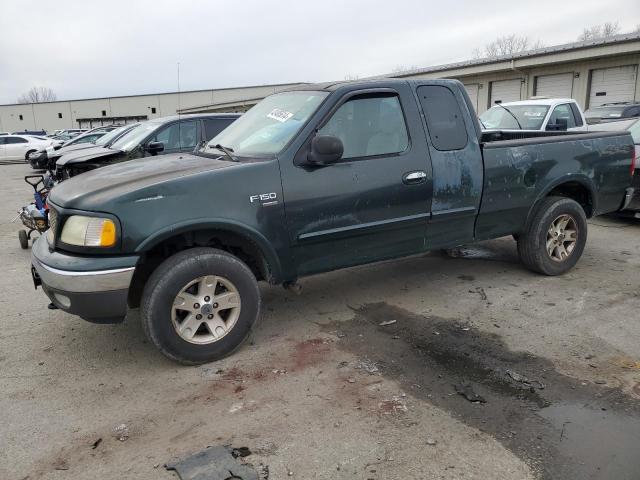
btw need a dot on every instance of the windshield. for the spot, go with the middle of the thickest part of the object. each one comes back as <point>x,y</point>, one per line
<point>132,139</point>
<point>267,128</point>
<point>529,116</point>
<point>109,136</point>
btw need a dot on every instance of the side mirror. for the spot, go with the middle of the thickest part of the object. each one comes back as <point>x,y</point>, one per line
<point>560,125</point>
<point>154,147</point>
<point>325,150</point>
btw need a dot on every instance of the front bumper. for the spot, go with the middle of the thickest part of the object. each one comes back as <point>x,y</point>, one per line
<point>89,287</point>
<point>38,160</point>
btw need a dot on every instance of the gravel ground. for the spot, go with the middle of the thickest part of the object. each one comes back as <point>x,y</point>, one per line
<point>323,391</point>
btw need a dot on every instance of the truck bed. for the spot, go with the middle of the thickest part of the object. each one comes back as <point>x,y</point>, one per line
<point>521,168</point>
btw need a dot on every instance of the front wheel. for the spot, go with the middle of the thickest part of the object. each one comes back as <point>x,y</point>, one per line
<point>26,155</point>
<point>555,237</point>
<point>23,239</point>
<point>200,305</point>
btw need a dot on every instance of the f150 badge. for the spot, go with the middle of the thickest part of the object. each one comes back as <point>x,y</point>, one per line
<point>265,199</point>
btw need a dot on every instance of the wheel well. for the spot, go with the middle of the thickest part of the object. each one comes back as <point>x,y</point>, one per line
<point>577,192</point>
<point>238,245</point>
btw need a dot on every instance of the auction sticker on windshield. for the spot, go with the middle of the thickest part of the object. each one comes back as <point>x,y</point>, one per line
<point>279,115</point>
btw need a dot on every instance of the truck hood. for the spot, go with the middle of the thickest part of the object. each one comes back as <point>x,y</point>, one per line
<point>96,188</point>
<point>85,155</point>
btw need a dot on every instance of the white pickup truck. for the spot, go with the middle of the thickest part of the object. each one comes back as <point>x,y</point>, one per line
<point>548,114</point>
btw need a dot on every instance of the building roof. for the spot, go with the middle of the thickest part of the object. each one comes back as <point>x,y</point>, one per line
<point>246,87</point>
<point>566,47</point>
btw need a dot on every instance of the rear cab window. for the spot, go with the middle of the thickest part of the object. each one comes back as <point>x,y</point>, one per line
<point>213,126</point>
<point>445,122</point>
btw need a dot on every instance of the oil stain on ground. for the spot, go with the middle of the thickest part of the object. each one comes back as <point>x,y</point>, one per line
<point>562,427</point>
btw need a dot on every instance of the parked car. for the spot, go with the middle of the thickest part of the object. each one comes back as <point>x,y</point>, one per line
<point>555,114</point>
<point>31,132</point>
<point>5,133</point>
<point>610,112</point>
<point>48,157</point>
<point>18,147</point>
<point>150,138</point>
<point>61,139</point>
<point>310,180</point>
<point>633,127</point>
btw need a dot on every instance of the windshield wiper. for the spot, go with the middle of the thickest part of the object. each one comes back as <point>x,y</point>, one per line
<point>511,113</point>
<point>227,151</point>
<point>482,123</point>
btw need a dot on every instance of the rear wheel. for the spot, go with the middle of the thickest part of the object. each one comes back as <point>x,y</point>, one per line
<point>555,237</point>
<point>200,305</point>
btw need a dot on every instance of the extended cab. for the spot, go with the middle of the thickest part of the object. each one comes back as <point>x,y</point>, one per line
<point>311,180</point>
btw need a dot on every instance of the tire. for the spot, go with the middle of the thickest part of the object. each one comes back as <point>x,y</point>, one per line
<point>26,155</point>
<point>24,240</point>
<point>161,319</point>
<point>532,243</point>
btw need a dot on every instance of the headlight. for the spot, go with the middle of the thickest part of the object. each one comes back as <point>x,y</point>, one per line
<point>89,231</point>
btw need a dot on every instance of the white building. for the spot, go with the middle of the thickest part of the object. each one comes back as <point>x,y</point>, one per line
<point>101,111</point>
<point>592,72</point>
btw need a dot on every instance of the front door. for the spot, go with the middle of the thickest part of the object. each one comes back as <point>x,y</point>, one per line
<point>372,204</point>
<point>2,149</point>
<point>16,148</point>
<point>177,137</point>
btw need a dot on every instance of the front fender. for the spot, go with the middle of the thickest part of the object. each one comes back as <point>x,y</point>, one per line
<point>223,225</point>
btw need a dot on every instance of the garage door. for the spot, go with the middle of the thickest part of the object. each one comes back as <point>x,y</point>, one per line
<point>505,91</point>
<point>555,86</point>
<point>610,85</point>
<point>472,90</point>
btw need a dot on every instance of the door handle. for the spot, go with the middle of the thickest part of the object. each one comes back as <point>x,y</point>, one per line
<point>411,178</point>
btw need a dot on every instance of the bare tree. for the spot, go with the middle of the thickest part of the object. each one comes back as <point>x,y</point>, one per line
<point>38,95</point>
<point>507,45</point>
<point>597,32</point>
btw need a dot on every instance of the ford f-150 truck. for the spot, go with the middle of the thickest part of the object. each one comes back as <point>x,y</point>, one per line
<point>310,180</point>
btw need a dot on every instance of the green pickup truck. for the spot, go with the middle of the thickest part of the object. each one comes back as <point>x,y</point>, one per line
<point>311,180</point>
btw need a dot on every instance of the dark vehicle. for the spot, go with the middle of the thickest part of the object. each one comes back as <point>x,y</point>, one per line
<point>31,132</point>
<point>154,137</point>
<point>611,112</point>
<point>633,127</point>
<point>311,180</point>
<point>98,138</point>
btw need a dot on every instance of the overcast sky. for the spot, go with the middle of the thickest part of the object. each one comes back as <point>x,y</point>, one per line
<point>92,49</point>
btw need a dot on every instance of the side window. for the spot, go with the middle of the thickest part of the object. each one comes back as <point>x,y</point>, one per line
<point>3,140</point>
<point>214,127</point>
<point>564,112</point>
<point>369,125</point>
<point>576,114</point>
<point>178,136</point>
<point>444,117</point>
<point>15,140</point>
